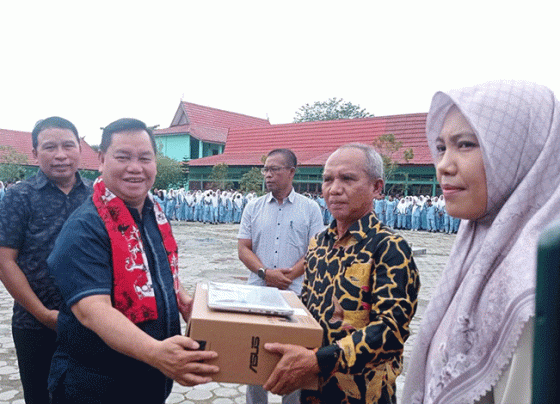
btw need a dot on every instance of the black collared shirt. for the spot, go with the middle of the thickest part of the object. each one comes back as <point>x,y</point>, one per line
<point>82,265</point>
<point>31,216</point>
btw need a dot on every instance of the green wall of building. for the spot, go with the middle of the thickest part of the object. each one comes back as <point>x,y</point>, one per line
<point>185,147</point>
<point>407,180</point>
<point>176,147</point>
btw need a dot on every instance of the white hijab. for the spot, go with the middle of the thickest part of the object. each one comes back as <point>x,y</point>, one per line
<point>486,294</point>
<point>401,207</point>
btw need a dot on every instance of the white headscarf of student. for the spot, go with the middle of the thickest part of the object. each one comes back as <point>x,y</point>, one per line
<point>486,294</point>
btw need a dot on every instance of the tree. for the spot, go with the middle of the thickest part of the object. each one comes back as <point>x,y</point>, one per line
<point>12,164</point>
<point>169,173</point>
<point>219,176</point>
<point>330,110</point>
<point>252,180</point>
<point>388,146</point>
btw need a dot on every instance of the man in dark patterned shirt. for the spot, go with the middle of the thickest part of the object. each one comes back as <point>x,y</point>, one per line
<point>361,285</point>
<point>31,216</point>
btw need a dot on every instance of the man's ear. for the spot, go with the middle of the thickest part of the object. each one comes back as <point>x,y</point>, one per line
<point>101,157</point>
<point>34,153</point>
<point>293,170</point>
<point>378,187</point>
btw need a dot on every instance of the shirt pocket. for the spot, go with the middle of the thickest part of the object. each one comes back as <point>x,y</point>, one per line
<point>356,297</point>
<point>297,236</point>
<point>358,274</point>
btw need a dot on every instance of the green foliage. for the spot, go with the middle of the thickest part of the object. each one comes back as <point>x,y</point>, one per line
<point>169,173</point>
<point>252,181</point>
<point>330,110</point>
<point>388,147</point>
<point>12,164</point>
<point>219,176</point>
<point>408,154</point>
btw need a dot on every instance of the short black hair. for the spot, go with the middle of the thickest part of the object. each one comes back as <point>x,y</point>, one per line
<point>52,122</point>
<point>123,125</point>
<point>289,156</point>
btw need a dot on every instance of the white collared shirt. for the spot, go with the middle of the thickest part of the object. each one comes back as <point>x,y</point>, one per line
<point>280,234</point>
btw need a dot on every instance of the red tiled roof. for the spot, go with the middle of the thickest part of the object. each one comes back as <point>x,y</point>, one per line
<point>203,133</point>
<point>199,114</point>
<point>208,124</point>
<point>21,142</point>
<point>313,142</point>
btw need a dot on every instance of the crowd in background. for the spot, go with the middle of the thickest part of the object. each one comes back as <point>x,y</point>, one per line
<point>215,206</point>
<point>203,206</point>
<point>417,213</point>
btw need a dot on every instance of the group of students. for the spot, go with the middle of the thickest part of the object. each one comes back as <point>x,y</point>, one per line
<point>407,213</point>
<point>215,206</point>
<point>416,213</point>
<point>203,206</point>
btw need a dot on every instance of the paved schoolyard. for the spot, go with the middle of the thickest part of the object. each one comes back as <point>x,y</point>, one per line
<point>210,252</point>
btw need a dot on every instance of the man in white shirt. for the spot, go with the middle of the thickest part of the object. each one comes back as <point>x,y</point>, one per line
<point>274,235</point>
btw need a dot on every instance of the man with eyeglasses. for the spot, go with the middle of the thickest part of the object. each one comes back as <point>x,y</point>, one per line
<point>274,235</point>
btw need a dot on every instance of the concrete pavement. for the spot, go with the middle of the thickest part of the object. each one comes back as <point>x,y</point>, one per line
<point>209,252</point>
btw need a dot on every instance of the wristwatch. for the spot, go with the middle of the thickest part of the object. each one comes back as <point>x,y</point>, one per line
<point>261,272</point>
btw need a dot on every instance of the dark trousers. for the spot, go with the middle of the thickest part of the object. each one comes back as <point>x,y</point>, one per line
<point>34,349</point>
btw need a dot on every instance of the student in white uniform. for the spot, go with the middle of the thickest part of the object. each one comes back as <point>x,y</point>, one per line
<point>496,148</point>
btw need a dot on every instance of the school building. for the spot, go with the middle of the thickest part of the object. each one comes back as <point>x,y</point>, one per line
<point>203,137</point>
<point>198,131</point>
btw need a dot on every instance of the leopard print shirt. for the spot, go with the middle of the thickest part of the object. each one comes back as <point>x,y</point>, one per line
<point>363,290</point>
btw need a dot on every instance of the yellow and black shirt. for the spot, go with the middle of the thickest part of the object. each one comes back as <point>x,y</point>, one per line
<point>363,290</point>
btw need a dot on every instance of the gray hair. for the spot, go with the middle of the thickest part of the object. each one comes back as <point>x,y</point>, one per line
<point>374,162</point>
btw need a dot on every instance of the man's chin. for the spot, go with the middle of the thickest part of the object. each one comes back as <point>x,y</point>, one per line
<point>61,176</point>
<point>338,214</point>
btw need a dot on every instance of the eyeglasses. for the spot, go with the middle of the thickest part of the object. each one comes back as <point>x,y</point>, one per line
<point>272,170</point>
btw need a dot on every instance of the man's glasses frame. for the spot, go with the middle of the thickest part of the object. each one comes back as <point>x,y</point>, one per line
<point>273,170</point>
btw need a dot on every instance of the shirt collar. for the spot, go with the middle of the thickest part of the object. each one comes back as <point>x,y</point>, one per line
<point>146,209</point>
<point>41,180</point>
<point>290,198</point>
<point>359,229</point>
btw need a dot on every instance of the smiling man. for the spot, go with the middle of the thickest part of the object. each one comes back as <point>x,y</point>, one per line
<point>115,263</point>
<point>31,216</point>
<point>361,285</point>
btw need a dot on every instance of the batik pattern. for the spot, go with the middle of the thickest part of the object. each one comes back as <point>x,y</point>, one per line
<point>363,290</point>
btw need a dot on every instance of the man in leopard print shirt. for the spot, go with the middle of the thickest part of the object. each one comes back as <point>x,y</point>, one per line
<point>361,284</point>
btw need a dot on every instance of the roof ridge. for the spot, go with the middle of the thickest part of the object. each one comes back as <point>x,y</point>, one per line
<point>223,110</point>
<point>338,121</point>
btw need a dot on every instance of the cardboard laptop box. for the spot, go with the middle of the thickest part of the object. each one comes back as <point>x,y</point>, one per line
<point>239,338</point>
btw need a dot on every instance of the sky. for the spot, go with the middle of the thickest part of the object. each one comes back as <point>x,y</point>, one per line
<point>98,61</point>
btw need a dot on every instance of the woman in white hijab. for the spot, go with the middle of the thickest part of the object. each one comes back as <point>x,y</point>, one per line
<point>497,153</point>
